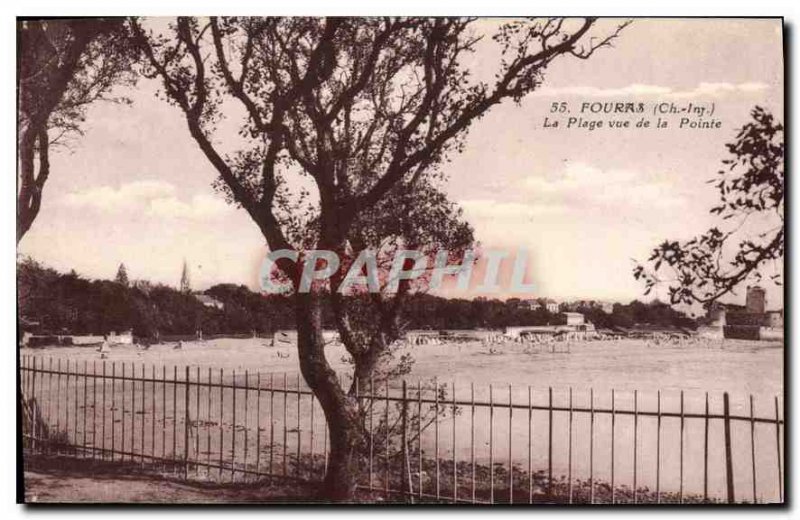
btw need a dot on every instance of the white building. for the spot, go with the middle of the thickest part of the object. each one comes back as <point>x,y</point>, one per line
<point>574,318</point>
<point>209,301</point>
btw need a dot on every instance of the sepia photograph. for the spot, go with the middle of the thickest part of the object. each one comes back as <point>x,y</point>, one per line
<point>409,260</point>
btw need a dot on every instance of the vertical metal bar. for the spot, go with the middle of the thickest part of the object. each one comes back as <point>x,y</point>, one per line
<point>387,443</point>
<point>113,406</point>
<point>436,433</point>
<point>46,420</point>
<point>472,437</point>
<point>164,413</point>
<point>208,424</point>
<point>510,446</point>
<point>153,413</point>
<point>530,446</point>
<point>550,444</point>
<point>405,478</point>
<point>103,432</point>
<point>221,421</point>
<point>491,444</point>
<point>258,423</point>
<point>123,412</point>
<point>66,405</point>
<point>58,399</point>
<point>46,404</point>
<point>144,414</point>
<point>728,458</point>
<point>753,448</point>
<point>246,409</point>
<point>705,454</point>
<point>94,409</point>
<point>186,423</point>
<point>133,409</point>
<point>50,397</point>
<point>591,445</point>
<point>75,401</point>
<point>455,460</point>
<point>419,435</point>
<point>233,426</point>
<point>35,426</point>
<point>34,416</point>
<point>371,439</point>
<point>658,451</point>
<point>85,399</point>
<point>25,374</point>
<point>613,428</point>
<point>197,421</point>
<point>174,416</point>
<point>635,444</point>
<point>569,451</point>
<point>38,366</point>
<point>285,420</point>
<point>778,446</point>
<point>680,494</point>
<point>30,375</point>
<point>271,421</point>
<point>299,432</point>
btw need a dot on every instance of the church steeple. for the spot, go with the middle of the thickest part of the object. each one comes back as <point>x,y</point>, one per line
<point>186,284</point>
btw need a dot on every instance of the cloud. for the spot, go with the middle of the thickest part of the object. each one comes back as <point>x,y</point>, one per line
<point>643,90</point>
<point>581,185</point>
<point>201,207</point>
<point>152,197</point>
<point>127,197</point>
<point>493,209</point>
<point>579,188</point>
<point>719,89</point>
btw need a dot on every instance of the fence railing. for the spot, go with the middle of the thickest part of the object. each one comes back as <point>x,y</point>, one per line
<point>424,441</point>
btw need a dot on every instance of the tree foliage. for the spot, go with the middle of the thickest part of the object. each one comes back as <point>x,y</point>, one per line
<point>750,186</point>
<point>63,66</point>
<point>68,302</point>
<point>122,275</point>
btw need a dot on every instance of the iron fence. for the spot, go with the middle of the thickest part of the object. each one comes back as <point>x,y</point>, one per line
<point>425,441</point>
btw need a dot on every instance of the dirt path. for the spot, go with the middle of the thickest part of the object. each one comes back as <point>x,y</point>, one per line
<point>68,481</point>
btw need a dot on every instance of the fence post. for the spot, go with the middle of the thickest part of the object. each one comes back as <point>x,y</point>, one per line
<point>404,480</point>
<point>186,426</point>
<point>550,443</point>
<point>705,455</point>
<point>35,410</point>
<point>683,420</point>
<point>728,461</point>
<point>778,446</point>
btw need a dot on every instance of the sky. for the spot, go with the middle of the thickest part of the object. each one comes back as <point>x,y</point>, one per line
<point>136,189</point>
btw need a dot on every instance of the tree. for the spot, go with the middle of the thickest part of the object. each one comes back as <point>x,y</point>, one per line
<point>63,66</point>
<point>362,107</point>
<point>122,276</point>
<point>415,217</point>
<point>750,186</point>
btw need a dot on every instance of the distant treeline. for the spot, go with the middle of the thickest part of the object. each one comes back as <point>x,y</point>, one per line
<point>54,302</point>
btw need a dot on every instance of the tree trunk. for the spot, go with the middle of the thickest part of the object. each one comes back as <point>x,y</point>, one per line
<point>341,410</point>
<point>30,185</point>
